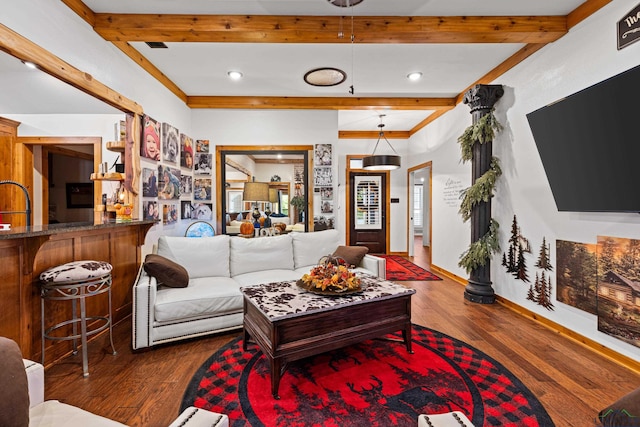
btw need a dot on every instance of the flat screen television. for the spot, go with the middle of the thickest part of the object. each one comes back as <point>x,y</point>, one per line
<point>589,143</point>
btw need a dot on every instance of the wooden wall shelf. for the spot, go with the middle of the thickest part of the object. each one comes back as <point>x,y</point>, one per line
<point>117,146</point>
<point>111,176</point>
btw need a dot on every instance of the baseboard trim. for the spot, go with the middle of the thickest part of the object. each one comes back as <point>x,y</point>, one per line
<point>592,345</point>
<point>398,253</point>
<point>442,271</point>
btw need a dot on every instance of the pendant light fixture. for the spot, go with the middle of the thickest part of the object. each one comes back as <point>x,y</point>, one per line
<point>381,162</point>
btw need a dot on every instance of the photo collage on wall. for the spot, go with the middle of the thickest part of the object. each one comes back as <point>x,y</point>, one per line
<point>170,188</point>
<point>601,279</point>
<point>323,184</point>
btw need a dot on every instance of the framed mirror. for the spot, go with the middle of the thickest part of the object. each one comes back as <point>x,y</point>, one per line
<point>284,168</point>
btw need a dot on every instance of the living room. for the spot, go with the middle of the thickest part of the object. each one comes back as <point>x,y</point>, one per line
<point>586,55</point>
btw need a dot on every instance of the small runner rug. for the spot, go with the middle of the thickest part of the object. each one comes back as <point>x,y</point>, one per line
<point>374,383</point>
<point>401,269</point>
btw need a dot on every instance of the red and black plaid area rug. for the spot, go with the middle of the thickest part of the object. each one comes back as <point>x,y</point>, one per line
<point>374,383</point>
<point>400,269</point>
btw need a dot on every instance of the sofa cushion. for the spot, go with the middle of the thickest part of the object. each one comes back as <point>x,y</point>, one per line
<point>165,271</point>
<point>205,296</point>
<point>351,254</point>
<point>623,412</point>
<point>260,253</point>
<point>308,248</point>
<point>267,276</point>
<point>14,393</point>
<point>201,257</point>
<point>54,413</point>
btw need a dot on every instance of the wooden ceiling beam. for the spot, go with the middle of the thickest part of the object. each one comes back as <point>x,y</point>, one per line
<point>318,103</point>
<point>82,10</point>
<point>325,29</point>
<point>584,11</point>
<point>373,134</point>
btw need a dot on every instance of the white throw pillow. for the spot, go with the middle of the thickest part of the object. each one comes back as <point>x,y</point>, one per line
<point>308,248</point>
<point>201,256</point>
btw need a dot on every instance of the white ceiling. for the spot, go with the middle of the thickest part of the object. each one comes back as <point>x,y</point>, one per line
<point>374,70</point>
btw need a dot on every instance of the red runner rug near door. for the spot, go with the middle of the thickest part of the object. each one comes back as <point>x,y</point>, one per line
<point>400,269</point>
<point>374,383</point>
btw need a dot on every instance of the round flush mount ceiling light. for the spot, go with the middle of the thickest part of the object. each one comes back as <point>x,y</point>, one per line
<point>234,75</point>
<point>344,3</point>
<point>325,76</point>
<point>414,76</point>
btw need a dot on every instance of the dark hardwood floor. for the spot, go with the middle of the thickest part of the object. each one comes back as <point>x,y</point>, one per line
<point>146,388</point>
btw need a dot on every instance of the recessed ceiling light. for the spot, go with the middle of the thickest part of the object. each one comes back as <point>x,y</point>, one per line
<point>30,65</point>
<point>325,76</point>
<point>234,75</point>
<point>414,76</point>
<point>344,3</point>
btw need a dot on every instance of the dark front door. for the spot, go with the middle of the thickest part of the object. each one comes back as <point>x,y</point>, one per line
<point>368,210</point>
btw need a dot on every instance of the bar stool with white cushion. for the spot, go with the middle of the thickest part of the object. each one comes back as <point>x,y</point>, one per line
<point>76,281</point>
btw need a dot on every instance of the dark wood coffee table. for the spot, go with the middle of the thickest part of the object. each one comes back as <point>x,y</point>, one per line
<point>289,323</point>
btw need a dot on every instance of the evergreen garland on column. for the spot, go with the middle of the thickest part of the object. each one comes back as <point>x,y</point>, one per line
<point>480,251</point>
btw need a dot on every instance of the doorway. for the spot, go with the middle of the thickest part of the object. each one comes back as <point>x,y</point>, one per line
<point>36,171</point>
<point>367,207</point>
<point>419,211</point>
<point>67,183</point>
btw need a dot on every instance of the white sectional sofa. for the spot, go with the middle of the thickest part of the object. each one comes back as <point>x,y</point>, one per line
<point>217,267</point>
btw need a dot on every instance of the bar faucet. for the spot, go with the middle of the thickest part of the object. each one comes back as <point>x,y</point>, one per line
<point>27,210</point>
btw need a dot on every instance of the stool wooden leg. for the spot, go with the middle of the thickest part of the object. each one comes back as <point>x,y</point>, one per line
<point>42,326</point>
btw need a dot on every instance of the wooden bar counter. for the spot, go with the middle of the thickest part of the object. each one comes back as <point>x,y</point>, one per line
<point>25,252</point>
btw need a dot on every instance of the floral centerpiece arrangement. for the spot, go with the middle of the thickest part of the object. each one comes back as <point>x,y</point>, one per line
<point>331,276</point>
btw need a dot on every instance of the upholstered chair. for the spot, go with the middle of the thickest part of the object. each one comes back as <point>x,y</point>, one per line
<point>22,401</point>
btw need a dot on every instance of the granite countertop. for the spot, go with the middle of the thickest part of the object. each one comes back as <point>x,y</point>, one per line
<point>47,230</point>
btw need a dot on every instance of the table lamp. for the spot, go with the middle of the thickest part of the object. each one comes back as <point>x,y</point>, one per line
<point>256,192</point>
<point>273,198</point>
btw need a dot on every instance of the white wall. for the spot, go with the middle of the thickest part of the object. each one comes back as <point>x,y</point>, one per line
<point>584,57</point>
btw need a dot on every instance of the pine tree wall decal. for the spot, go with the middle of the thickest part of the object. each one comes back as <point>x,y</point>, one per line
<point>543,257</point>
<point>531,296</point>
<point>514,259</point>
<point>544,293</point>
<point>521,266</point>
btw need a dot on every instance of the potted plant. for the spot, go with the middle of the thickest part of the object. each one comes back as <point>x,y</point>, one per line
<point>299,203</point>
